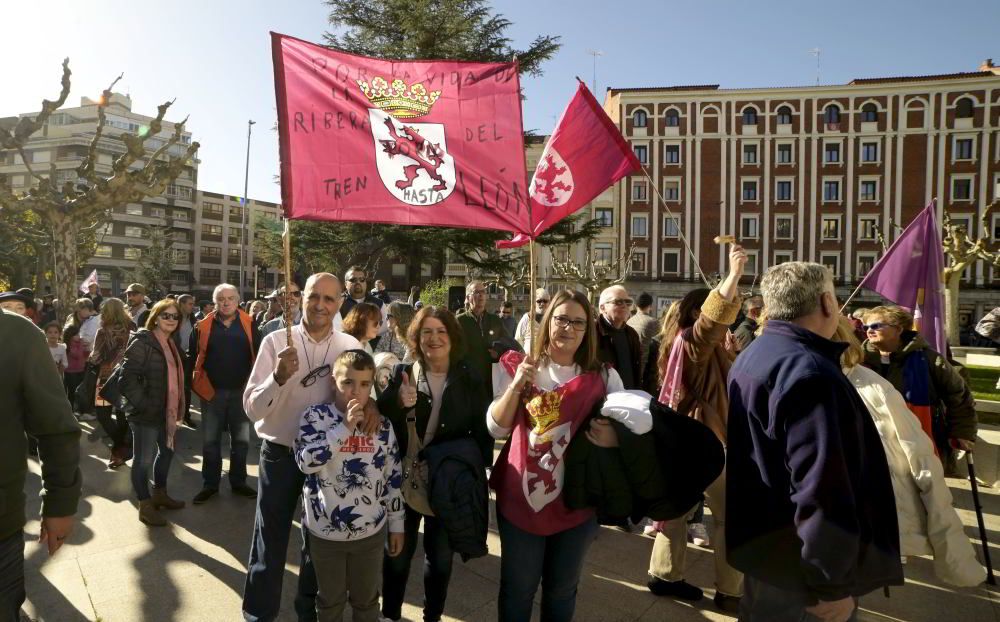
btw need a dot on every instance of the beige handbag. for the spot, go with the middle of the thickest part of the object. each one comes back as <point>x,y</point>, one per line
<point>414,467</point>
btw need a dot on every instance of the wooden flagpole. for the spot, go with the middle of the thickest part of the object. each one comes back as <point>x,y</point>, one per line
<point>286,245</point>
<point>531,292</point>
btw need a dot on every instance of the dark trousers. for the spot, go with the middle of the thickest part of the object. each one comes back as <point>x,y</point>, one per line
<point>11,577</point>
<point>225,410</point>
<point>437,568</point>
<point>763,602</point>
<point>278,492</point>
<point>149,448</point>
<point>114,424</point>
<point>71,380</point>
<point>555,561</point>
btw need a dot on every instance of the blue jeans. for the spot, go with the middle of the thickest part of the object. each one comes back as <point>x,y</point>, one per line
<point>762,602</point>
<point>225,410</point>
<point>279,488</point>
<point>437,568</point>
<point>556,561</point>
<point>11,576</point>
<point>149,441</point>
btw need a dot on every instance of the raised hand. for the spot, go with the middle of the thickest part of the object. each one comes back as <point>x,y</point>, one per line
<point>737,259</point>
<point>525,374</point>
<point>408,392</point>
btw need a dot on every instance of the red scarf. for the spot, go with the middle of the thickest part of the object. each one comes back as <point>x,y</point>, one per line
<point>175,385</point>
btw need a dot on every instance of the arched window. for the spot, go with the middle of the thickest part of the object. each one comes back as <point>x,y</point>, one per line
<point>671,118</point>
<point>750,116</point>
<point>832,114</point>
<point>869,112</point>
<point>963,108</point>
<point>639,118</point>
<point>784,115</point>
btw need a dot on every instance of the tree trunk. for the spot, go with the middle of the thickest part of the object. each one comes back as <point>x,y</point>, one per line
<point>65,232</point>
<point>952,281</point>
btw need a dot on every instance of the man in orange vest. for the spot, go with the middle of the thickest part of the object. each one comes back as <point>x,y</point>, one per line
<point>224,346</point>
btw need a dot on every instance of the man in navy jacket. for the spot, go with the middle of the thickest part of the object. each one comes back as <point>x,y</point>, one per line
<point>811,513</point>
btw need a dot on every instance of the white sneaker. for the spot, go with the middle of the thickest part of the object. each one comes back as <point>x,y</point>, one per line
<point>85,417</point>
<point>698,535</point>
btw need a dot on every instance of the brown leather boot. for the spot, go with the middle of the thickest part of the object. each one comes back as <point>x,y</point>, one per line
<point>163,501</point>
<point>149,515</point>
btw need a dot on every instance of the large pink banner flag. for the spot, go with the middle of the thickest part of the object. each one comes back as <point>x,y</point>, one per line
<point>409,142</point>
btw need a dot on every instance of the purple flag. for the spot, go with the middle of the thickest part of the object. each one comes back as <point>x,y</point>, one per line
<point>909,274</point>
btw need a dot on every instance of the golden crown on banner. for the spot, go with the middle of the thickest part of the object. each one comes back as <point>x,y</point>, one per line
<point>398,99</point>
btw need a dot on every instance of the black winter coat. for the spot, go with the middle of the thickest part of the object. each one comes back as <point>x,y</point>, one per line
<point>143,381</point>
<point>607,354</point>
<point>459,495</point>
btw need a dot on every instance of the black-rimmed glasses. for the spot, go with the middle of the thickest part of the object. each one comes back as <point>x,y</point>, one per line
<point>311,377</point>
<point>565,322</point>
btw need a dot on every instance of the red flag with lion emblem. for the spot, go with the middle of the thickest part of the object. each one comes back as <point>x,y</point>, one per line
<point>585,155</point>
<point>409,142</point>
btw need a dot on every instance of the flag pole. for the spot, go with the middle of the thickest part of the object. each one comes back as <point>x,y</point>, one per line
<point>286,245</point>
<point>851,297</point>
<point>680,231</point>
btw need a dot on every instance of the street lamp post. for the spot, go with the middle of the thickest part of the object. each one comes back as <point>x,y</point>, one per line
<point>243,232</point>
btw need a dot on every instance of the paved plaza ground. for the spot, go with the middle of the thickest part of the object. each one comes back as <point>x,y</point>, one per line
<point>115,569</point>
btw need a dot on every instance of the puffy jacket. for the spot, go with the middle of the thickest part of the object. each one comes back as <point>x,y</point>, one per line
<point>950,395</point>
<point>928,524</point>
<point>458,494</point>
<point>143,381</point>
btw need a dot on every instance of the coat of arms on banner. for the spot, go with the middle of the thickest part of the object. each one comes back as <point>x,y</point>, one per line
<point>412,158</point>
<point>552,184</point>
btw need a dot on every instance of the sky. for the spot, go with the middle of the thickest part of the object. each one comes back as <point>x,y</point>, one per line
<point>214,56</point>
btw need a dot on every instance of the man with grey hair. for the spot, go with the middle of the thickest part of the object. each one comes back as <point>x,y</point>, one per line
<point>480,329</point>
<point>224,346</point>
<point>529,321</point>
<point>812,516</point>
<point>617,342</point>
<point>746,332</point>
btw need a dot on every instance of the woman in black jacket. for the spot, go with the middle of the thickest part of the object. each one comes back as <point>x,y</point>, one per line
<point>152,388</point>
<point>450,400</point>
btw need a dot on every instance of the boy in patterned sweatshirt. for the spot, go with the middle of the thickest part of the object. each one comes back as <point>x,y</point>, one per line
<point>351,492</point>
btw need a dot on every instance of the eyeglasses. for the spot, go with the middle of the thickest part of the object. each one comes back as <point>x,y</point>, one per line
<point>311,377</point>
<point>170,316</point>
<point>564,322</point>
<point>357,279</point>
<point>542,301</point>
<point>620,301</point>
<point>877,326</point>
<point>295,294</point>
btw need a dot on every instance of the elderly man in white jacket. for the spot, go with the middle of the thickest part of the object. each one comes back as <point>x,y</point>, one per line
<point>928,524</point>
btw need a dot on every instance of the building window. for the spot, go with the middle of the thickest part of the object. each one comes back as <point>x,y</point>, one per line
<point>180,236</point>
<point>133,209</point>
<point>603,216</point>
<point>749,228</point>
<point>671,191</point>
<point>832,263</point>
<point>751,265</point>
<point>602,254</point>
<point>236,212</point>
<point>132,253</point>
<point>783,227</point>
<point>869,152</point>
<point>749,154</point>
<point>103,250</point>
<point>671,154</point>
<point>211,231</point>
<point>783,190</point>
<point>234,255</point>
<point>964,148</point>
<point>868,190</point>
<point>233,276</point>
<point>639,228</point>
<point>180,214</point>
<point>641,153</point>
<point>831,228</point>
<point>671,262</point>
<point>831,190</point>
<point>784,115</point>
<point>134,232</point>
<point>211,276</point>
<point>639,190</point>
<point>963,108</point>
<point>671,228</point>
<point>639,118</point>
<point>781,257</point>
<point>671,118</point>
<point>961,189</point>
<point>639,262</point>
<point>750,190</point>
<point>869,113</point>
<point>182,256</point>
<point>210,208</point>
<point>750,116</point>
<point>233,235</point>
<point>785,154</point>
<point>213,252</point>
<point>865,264</point>
<point>831,153</point>
<point>867,226</point>
<point>831,114</point>
<point>399,269</point>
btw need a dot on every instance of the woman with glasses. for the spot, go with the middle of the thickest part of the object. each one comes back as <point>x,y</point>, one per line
<point>541,402</point>
<point>109,347</point>
<point>448,400</point>
<point>394,340</point>
<point>152,388</point>
<point>363,323</point>
<point>696,352</point>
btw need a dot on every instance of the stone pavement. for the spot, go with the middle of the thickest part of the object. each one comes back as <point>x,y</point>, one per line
<point>115,569</point>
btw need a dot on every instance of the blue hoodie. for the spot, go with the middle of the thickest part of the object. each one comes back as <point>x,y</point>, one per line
<point>809,501</point>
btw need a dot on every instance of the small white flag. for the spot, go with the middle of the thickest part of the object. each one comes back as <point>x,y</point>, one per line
<point>92,279</point>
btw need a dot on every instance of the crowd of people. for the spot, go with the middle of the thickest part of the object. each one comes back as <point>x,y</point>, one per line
<point>378,417</point>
